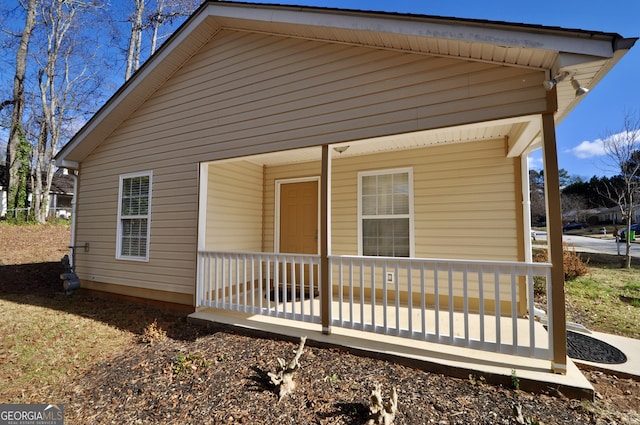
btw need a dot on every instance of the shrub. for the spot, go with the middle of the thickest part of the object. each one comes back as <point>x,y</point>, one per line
<point>189,363</point>
<point>153,334</point>
<point>574,266</point>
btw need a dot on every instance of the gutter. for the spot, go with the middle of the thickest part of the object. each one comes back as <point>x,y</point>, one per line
<point>74,176</point>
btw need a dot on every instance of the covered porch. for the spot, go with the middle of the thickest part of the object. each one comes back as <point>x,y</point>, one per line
<point>479,299</point>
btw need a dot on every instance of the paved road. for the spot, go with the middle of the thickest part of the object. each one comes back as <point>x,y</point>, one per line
<point>586,244</point>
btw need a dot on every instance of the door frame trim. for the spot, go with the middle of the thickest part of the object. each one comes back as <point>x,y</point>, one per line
<point>279,183</point>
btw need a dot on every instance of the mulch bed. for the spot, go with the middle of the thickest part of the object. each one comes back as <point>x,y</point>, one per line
<point>199,375</point>
<point>221,377</point>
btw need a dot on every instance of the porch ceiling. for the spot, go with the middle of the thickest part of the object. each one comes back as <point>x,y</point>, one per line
<point>521,133</point>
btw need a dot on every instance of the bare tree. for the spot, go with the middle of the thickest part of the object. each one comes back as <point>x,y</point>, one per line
<point>573,206</point>
<point>168,12</point>
<point>16,130</point>
<point>622,150</point>
<point>536,195</point>
<point>64,84</point>
<point>164,13</point>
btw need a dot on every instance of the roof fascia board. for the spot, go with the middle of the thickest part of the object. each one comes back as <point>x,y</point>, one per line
<point>474,32</point>
<point>604,70</point>
<point>566,60</point>
<point>70,165</point>
<point>519,144</point>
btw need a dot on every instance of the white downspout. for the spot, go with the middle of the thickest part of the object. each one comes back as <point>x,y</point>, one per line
<point>74,176</point>
<point>526,207</point>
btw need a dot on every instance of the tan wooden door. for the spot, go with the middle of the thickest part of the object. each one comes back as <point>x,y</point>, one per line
<point>299,218</point>
<point>299,234</point>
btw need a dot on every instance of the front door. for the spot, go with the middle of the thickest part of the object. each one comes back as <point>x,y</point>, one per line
<point>299,234</point>
<point>299,218</point>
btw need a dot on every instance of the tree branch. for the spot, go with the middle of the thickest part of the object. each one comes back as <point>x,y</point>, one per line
<point>7,103</point>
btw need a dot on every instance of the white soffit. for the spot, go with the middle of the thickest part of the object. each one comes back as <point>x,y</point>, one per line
<point>500,129</point>
<point>520,45</point>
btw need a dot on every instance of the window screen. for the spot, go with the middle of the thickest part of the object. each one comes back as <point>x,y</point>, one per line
<point>385,214</point>
<point>134,216</point>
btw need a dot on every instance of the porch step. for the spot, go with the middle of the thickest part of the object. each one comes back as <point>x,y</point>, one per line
<point>535,375</point>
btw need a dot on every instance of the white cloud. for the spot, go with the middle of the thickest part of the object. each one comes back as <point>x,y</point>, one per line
<point>535,163</point>
<point>588,149</point>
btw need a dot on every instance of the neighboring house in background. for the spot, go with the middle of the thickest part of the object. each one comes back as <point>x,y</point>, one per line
<point>60,195</point>
<point>613,215</point>
<point>341,169</point>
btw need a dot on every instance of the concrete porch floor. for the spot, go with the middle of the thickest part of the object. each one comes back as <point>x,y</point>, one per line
<point>534,374</point>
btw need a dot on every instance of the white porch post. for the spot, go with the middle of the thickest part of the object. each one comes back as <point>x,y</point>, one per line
<point>325,240</point>
<point>203,181</point>
<point>554,239</point>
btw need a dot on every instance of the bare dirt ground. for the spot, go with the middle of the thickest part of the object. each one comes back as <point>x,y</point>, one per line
<point>172,372</point>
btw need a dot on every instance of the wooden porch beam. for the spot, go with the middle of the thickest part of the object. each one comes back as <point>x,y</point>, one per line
<point>554,241</point>
<point>325,240</point>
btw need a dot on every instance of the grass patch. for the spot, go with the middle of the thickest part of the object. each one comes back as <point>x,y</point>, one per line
<point>608,297</point>
<point>603,296</point>
<point>41,348</point>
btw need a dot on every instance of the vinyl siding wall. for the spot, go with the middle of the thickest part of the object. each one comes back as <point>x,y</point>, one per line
<point>246,93</point>
<point>464,200</point>
<point>464,204</point>
<point>234,207</point>
<point>464,208</point>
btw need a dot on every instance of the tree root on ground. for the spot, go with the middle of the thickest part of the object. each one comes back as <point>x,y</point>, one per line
<point>382,413</point>
<point>284,377</point>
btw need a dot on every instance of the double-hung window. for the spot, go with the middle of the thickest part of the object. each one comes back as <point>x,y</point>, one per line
<point>134,216</point>
<point>385,219</point>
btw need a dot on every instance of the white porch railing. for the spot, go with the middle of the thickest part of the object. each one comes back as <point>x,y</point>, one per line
<point>476,304</point>
<point>279,285</point>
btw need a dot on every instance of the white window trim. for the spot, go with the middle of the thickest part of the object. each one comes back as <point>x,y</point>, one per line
<point>408,170</point>
<point>148,216</point>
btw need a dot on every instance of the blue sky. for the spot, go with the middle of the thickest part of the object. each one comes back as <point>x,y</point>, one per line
<point>601,111</point>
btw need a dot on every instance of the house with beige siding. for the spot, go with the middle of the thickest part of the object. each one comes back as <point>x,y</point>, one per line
<point>338,169</point>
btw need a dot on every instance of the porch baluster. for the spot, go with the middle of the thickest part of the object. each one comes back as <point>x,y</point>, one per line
<point>481,301</point>
<point>423,306</point>
<point>397,291</point>
<point>451,320</point>
<point>410,297</point>
<point>531,309</point>
<point>514,310</point>
<point>436,291</point>
<point>496,283</point>
<point>465,302</point>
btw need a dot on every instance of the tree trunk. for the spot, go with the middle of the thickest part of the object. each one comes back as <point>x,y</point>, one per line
<point>16,132</point>
<point>627,259</point>
<point>157,22</point>
<point>37,199</point>
<point>135,41</point>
